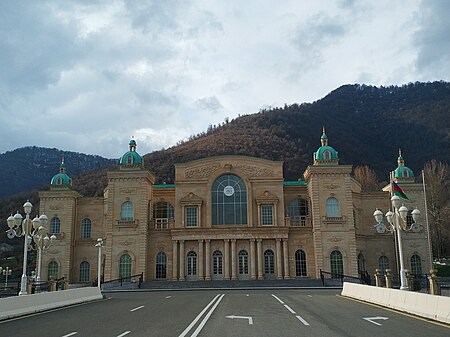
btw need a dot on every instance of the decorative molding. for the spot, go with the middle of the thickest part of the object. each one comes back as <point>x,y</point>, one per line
<point>125,243</point>
<point>201,172</point>
<point>192,199</point>
<point>128,190</point>
<point>55,207</point>
<point>335,239</point>
<point>255,171</point>
<point>331,186</point>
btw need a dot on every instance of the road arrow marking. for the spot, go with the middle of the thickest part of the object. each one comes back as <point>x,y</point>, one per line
<point>372,319</point>
<point>250,319</point>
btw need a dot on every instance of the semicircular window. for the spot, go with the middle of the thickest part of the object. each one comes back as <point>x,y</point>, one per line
<point>229,201</point>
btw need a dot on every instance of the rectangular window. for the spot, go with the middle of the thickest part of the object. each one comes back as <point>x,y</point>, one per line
<point>267,215</point>
<point>191,216</point>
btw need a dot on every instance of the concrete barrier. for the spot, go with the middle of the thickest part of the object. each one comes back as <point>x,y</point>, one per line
<point>424,305</point>
<point>28,304</point>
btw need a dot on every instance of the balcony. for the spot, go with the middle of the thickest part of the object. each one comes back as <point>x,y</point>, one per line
<point>162,223</point>
<point>127,223</point>
<point>298,221</point>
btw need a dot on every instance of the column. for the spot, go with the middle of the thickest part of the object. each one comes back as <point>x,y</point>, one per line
<point>182,259</point>
<point>175,260</point>
<point>260,258</point>
<point>226,243</point>
<point>252,260</point>
<point>208,260</point>
<point>286,259</point>
<point>233,259</point>
<point>279,265</point>
<point>200,260</point>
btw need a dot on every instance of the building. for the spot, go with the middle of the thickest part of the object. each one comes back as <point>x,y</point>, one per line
<point>227,217</point>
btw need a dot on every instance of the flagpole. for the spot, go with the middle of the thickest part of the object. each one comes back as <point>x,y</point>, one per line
<point>430,251</point>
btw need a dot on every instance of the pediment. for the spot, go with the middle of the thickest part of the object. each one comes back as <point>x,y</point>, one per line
<point>191,198</point>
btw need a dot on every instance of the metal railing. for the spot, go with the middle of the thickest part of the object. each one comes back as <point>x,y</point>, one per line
<point>127,282</point>
<point>339,278</point>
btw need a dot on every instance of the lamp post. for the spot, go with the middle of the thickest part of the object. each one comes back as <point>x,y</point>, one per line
<point>398,222</point>
<point>6,272</point>
<point>18,226</point>
<point>99,245</point>
<point>42,242</point>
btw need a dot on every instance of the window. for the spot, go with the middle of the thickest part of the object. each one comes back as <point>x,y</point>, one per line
<point>267,215</point>
<point>125,266</point>
<point>361,264</point>
<point>336,263</point>
<point>162,212</point>
<point>327,155</point>
<point>229,201</point>
<point>269,262</point>
<point>58,181</point>
<point>84,271</point>
<point>297,211</point>
<point>161,265</point>
<point>55,226</point>
<point>416,265</point>
<point>192,263</point>
<point>409,219</point>
<point>129,159</point>
<point>52,270</point>
<point>333,208</point>
<point>86,228</point>
<point>383,263</point>
<point>217,262</point>
<point>127,211</point>
<point>243,262</point>
<point>191,216</point>
<point>300,263</point>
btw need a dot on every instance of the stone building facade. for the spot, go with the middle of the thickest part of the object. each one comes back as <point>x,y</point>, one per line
<point>227,218</point>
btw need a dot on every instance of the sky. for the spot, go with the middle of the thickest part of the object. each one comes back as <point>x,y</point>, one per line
<point>88,75</point>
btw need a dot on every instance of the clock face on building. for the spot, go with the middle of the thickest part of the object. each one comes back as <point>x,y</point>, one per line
<point>228,191</point>
<point>380,228</point>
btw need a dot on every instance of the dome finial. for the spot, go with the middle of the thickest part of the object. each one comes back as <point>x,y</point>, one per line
<point>324,138</point>
<point>400,160</point>
<point>62,166</point>
<point>132,144</point>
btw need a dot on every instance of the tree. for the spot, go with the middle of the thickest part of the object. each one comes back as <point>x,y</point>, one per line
<point>367,178</point>
<point>437,176</point>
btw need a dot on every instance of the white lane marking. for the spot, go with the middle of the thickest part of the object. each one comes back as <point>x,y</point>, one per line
<point>185,332</point>
<point>250,319</point>
<point>289,308</point>
<point>124,334</point>
<point>247,295</point>
<point>70,334</point>
<point>309,296</point>
<point>278,299</point>
<point>137,308</point>
<point>372,319</point>
<point>203,322</point>
<point>302,320</point>
<point>168,296</point>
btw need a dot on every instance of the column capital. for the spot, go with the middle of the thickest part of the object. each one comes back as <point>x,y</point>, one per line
<point>233,240</point>
<point>285,239</point>
<point>207,240</point>
<point>252,240</point>
<point>259,240</point>
<point>200,241</point>
<point>278,240</point>
<point>226,240</point>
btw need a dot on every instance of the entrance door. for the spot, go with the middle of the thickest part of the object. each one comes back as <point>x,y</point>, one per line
<point>191,266</point>
<point>243,265</point>
<point>217,265</point>
<point>269,264</point>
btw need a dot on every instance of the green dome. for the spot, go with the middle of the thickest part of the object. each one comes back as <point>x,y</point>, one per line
<point>132,142</point>
<point>403,172</point>
<point>61,179</point>
<point>326,153</point>
<point>324,136</point>
<point>131,158</point>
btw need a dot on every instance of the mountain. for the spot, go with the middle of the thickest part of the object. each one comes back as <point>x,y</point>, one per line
<point>32,167</point>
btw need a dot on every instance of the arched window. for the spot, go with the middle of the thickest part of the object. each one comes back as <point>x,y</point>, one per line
<point>162,213</point>
<point>127,211</point>
<point>125,266</point>
<point>243,262</point>
<point>416,265</point>
<point>405,174</point>
<point>383,263</point>
<point>55,226</point>
<point>161,265</point>
<point>333,210</point>
<point>409,219</point>
<point>336,263</point>
<point>361,264</point>
<point>297,211</point>
<point>52,270</point>
<point>86,228</point>
<point>58,181</point>
<point>192,263</point>
<point>217,262</point>
<point>129,159</point>
<point>300,263</point>
<point>229,201</point>
<point>85,269</point>
<point>327,154</point>
<point>269,262</point>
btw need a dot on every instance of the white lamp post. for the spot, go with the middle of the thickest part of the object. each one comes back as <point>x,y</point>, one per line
<point>398,222</point>
<point>18,226</point>
<point>43,242</point>
<point>6,272</point>
<point>99,245</point>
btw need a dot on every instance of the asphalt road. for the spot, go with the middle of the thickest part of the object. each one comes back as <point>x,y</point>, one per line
<point>261,313</point>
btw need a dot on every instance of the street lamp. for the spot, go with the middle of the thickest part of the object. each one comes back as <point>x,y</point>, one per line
<point>398,222</point>
<point>6,272</point>
<point>99,245</point>
<point>42,242</point>
<point>18,226</point>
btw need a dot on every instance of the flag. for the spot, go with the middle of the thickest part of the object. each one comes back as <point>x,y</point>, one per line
<point>398,191</point>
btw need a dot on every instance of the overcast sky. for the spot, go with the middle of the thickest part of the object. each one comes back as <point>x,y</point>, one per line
<point>87,75</point>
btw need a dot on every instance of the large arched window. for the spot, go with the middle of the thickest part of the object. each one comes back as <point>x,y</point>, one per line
<point>416,264</point>
<point>55,225</point>
<point>300,263</point>
<point>337,264</point>
<point>327,154</point>
<point>229,201</point>
<point>191,263</point>
<point>333,210</point>
<point>361,264</point>
<point>162,213</point>
<point>125,266</point>
<point>383,263</point>
<point>269,262</point>
<point>243,262</point>
<point>52,270</point>
<point>217,263</point>
<point>127,211</point>
<point>161,265</point>
<point>86,228</point>
<point>297,211</point>
<point>85,269</point>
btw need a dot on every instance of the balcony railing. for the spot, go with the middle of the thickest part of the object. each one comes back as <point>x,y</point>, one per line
<point>162,223</point>
<point>298,221</point>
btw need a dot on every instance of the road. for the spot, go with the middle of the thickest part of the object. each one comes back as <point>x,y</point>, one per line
<point>261,313</point>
